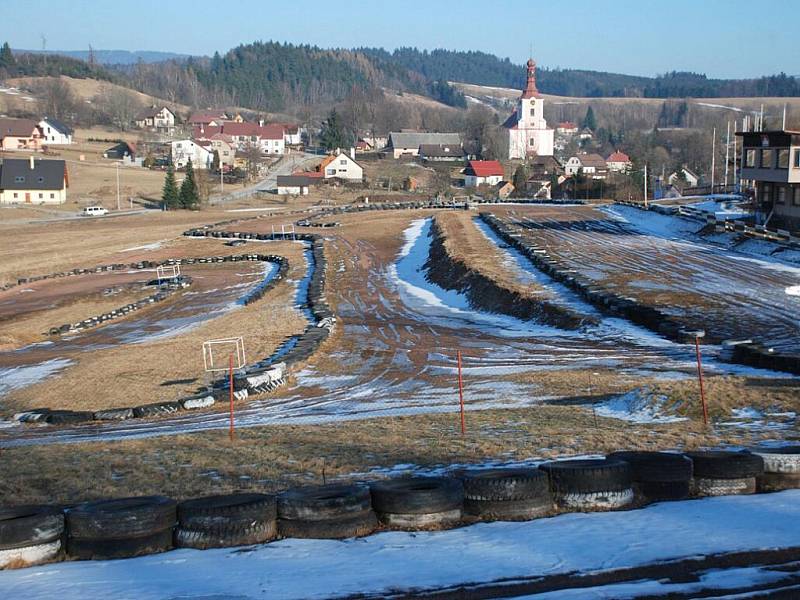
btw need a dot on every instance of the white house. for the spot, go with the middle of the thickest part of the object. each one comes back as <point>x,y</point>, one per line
<point>54,132</point>
<point>342,166</point>
<point>483,172</point>
<point>293,185</point>
<point>689,177</point>
<point>158,118</point>
<point>592,165</point>
<point>183,150</point>
<point>619,162</point>
<point>567,128</point>
<point>528,133</point>
<point>33,181</point>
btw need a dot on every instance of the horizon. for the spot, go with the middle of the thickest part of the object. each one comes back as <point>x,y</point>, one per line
<point>648,48</point>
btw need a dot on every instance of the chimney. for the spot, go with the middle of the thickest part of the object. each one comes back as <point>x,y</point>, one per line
<point>353,153</point>
<point>32,165</point>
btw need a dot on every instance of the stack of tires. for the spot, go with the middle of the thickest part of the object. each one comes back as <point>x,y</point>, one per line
<point>30,535</point>
<point>724,473</point>
<point>121,528</point>
<point>326,512</point>
<point>781,468</point>
<point>228,520</point>
<point>418,502</point>
<point>506,494</point>
<point>658,476</point>
<point>591,484</point>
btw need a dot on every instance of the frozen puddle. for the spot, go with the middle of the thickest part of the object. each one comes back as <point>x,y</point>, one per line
<point>314,569</point>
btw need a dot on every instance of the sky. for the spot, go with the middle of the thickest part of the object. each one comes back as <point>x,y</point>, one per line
<point>721,38</point>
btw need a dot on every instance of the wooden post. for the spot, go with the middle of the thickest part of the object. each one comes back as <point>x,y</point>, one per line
<point>700,378</point>
<point>230,374</point>
<point>461,395</point>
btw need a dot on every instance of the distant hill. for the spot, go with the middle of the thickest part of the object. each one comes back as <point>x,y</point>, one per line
<point>113,57</point>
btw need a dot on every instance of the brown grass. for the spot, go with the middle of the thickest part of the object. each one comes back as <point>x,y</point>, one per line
<point>275,457</point>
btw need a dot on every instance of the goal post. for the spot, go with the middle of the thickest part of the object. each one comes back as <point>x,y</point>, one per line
<point>217,354</point>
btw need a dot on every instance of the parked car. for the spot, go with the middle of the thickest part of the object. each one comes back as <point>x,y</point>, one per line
<point>94,211</point>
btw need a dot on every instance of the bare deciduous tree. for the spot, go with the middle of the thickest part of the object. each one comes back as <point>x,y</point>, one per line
<point>120,106</point>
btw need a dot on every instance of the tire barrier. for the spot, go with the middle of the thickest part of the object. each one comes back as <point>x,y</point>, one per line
<point>265,376</point>
<point>227,520</point>
<point>451,273</point>
<point>658,476</point>
<point>120,528</point>
<point>507,494</point>
<point>418,502</point>
<point>634,311</point>
<point>591,484</point>
<point>721,473</point>
<point>134,526</point>
<point>781,468</point>
<point>326,512</point>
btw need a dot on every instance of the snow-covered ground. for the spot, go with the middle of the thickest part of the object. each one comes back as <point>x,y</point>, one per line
<point>291,569</point>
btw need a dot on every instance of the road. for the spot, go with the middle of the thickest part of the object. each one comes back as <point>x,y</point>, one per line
<point>285,166</point>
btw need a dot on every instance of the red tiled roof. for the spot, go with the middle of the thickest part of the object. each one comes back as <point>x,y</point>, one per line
<point>231,128</point>
<point>567,125</point>
<point>484,168</point>
<point>207,117</point>
<point>618,156</point>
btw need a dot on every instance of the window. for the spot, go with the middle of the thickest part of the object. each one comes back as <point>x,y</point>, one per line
<point>766,193</point>
<point>16,195</point>
<point>343,162</point>
<point>19,179</point>
<point>795,196</point>
<point>533,142</point>
<point>781,195</point>
<point>52,195</point>
<point>533,112</point>
<point>41,195</point>
<point>750,158</point>
<point>783,158</point>
<point>767,158</point>
<point>797,158</point>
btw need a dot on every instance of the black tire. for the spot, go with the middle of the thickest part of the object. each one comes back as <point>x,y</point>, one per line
<point>317,503</point>
<point>656,466</point>
<point>224,537</point>
<point>660,491</point>
<point>157,409</point>
<point>67,417</point>
<point>776,482</point>
<point>108,548</point>
<point>354,525</point>
<point>505,484</point>
<point>509,510</point>
<point>417,495</point>
<point>227,511</point>
<point>122,518</point>
<point>30,525</point>
<point>113,414</point>
<point>720,464</point>
<point>588,476</point>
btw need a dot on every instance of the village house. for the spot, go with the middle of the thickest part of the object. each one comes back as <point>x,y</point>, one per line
<point>292,134</point>
<point>294,185</point>
<point>567,128</point>
<point>528,133</point>
<point>483,172</point>
<point>268,139</point>
<point>441,153</point>
<point>618,162</point>
<point>33,181</point>
<point>121,151</point>
<point>402,143</point>
<point>223,146</point>
<point>54,132</point>
<point>20,134</point>
<point>200,154</point>
<point>156,118</point>
<point>341,166</point>
<point>684,178</point>
<point>590,164</point>
<point>771,168</point>
<point>543,171</point>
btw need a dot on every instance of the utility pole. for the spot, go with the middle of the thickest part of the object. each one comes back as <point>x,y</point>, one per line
<point>645,185</point>
<point>221,180</point>
<point>783,127</point>
<point>727,153</point>
<point>118,206</point>
<point>713,156</point>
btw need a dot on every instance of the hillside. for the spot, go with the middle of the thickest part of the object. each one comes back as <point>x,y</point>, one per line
<point>111,57</point>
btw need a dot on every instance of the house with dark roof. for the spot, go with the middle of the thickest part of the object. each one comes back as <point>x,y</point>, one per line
<point>33,181</point>
<point>121,151</point>
<point>19,134</point>
<point>590,164</point>
<point>295,185</point>
<point>483,172</point>
<point>55,132</point>
<point>408,142</point>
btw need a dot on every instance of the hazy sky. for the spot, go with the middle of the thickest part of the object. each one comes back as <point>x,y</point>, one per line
<point>722,38</point>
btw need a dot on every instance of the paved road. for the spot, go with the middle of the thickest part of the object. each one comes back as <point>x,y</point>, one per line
<point>285,166</point>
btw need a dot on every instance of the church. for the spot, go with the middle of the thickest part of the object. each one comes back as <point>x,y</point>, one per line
<point>528,134</point>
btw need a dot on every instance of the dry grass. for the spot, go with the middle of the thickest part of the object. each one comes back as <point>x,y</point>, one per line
<point>275,457</point>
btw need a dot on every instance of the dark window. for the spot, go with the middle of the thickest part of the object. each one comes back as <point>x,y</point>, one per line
<point>797,158</point>
<point>52,195</point>
<point>796,196</point>
<point>766,193</point>
<point>767,158</point>
<point>750,158</point>
<point>783,158</point>
<point>780,198</point>
<point>19,179</point>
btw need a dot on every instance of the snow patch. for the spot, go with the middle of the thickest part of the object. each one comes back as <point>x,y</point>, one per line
<point>637,406</point>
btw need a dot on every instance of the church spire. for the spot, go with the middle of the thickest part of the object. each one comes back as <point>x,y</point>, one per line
<point>530,87</point>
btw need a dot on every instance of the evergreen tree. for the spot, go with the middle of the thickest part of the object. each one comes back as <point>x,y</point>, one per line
<point>188,195</point>
<point>589,121</point>
<point>7,61</point>
<point>170,194</point>
<point>520,180</point>
<point>333,134</point>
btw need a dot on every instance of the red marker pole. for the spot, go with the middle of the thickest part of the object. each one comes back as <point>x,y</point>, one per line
<point>230,373</point>
<point>461,395</point>
<point>700,378</point>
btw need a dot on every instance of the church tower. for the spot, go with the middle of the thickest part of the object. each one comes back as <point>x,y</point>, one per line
<point>527,129</point>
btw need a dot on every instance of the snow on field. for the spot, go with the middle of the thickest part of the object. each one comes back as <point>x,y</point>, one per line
<point>793,290</point>
<point>723,208</point>
<point>293,569</point>
<point>14,378</point>
<point>153,246</point>
<point>637,406</point>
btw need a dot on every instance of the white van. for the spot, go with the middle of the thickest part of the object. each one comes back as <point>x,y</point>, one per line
<point>94,211</point>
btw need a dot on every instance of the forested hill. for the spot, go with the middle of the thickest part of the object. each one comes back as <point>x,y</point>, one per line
<point>486,69</point>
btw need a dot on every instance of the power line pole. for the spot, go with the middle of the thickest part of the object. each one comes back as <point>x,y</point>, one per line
<point>713,157</point>
<point>727,153</point>
<point>118,206</point>
<point>645,185</point>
